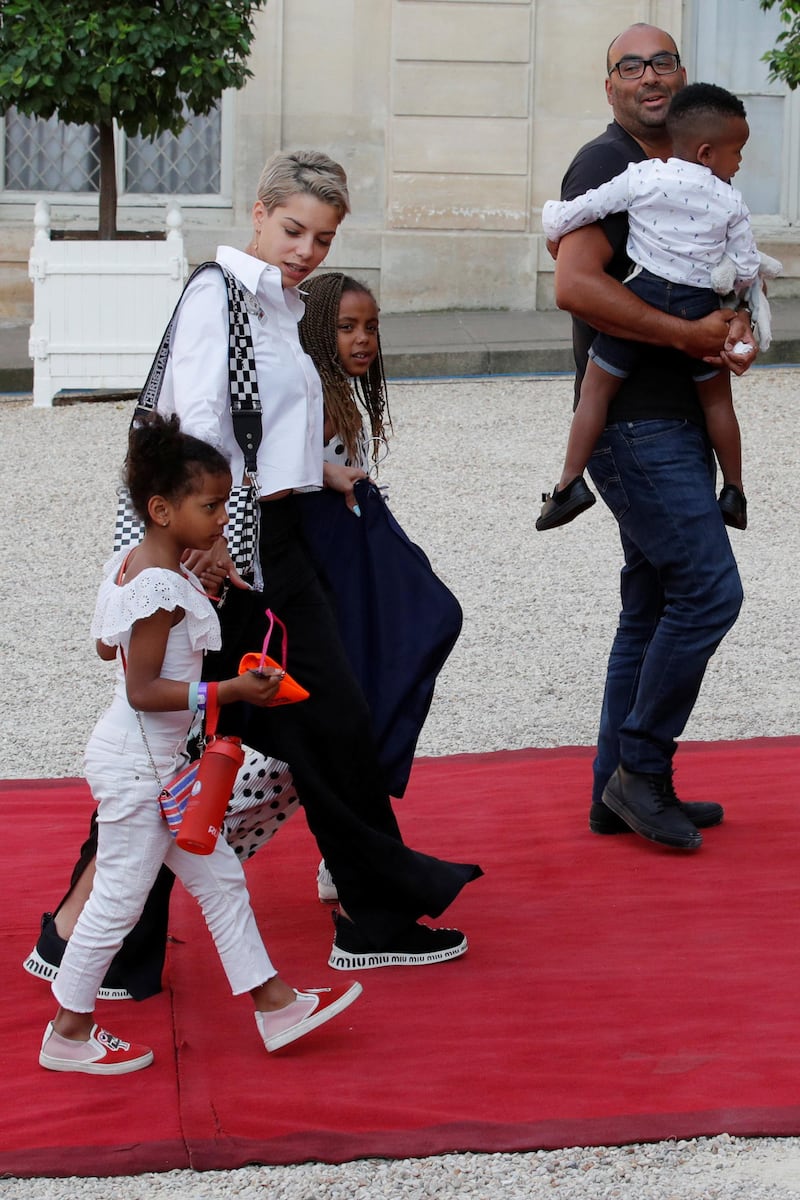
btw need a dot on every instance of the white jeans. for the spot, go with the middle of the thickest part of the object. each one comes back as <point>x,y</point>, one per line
<point>132,843</point>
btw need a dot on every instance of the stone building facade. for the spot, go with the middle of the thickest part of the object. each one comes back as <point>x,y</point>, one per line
<point>455,120</point>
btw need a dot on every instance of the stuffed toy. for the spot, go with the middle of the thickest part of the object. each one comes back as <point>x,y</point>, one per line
<point>723,278</point>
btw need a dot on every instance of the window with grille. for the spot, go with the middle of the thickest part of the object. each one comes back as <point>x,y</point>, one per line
<point>48,156</point>
<point>727,41</point>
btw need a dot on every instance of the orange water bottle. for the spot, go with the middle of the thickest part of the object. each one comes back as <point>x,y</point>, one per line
<point>211,792</point>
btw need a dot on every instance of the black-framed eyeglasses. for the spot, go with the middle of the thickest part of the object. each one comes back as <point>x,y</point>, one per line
<point>634,68</point>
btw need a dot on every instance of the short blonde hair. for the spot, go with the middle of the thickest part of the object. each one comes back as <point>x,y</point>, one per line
<point>309,171</point>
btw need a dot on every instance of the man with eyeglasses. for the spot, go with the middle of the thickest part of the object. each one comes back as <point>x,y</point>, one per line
<point>653,466</point>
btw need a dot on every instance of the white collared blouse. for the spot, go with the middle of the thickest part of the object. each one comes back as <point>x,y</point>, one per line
<point>196,378</point>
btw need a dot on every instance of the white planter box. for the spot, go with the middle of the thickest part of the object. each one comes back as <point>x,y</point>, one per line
<point>100,308</point>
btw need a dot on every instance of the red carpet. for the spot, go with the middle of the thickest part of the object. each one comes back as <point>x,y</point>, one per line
<point>613,991</point>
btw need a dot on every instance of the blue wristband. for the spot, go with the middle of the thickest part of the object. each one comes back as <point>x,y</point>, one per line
<point>194,698</point>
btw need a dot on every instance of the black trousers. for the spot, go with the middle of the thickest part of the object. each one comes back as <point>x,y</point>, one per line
<point>384,885</point>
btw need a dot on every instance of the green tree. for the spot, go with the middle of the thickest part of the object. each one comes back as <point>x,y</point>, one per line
<point>784,58</point>
<point>142,64</point>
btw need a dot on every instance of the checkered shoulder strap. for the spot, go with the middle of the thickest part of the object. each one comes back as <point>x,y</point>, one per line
<point>148,397</point>
<point>243,385</point>
<point>245,402</point>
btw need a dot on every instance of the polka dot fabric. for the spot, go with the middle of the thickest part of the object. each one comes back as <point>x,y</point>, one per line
<point>263,799</point>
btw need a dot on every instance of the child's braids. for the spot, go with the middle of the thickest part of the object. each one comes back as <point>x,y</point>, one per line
<point>318,337</point>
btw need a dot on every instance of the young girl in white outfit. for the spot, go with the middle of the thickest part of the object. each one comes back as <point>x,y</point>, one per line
<point>153,616</point>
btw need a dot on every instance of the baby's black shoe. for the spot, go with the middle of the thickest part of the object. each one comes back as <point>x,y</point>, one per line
<point>566,505</point>
<point>734,506</point>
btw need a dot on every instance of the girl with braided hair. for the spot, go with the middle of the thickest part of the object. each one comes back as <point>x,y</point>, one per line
<point>340,331</point>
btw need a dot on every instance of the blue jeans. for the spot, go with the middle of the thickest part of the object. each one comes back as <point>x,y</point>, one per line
<point>680,588</point>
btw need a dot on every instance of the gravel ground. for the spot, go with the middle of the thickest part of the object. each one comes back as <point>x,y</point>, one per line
<point>469,460</point>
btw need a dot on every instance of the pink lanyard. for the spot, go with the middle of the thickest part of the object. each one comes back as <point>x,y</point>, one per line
<point>273,620</point>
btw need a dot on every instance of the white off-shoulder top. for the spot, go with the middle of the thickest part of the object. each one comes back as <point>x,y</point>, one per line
<point>120,605</point>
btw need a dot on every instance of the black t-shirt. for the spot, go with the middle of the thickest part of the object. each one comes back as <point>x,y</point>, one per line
<point>661,385</point>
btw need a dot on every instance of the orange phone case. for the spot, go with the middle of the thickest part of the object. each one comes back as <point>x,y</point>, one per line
<point>289,692</point>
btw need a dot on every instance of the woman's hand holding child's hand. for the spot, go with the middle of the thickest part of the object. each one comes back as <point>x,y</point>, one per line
<point>213,567</point>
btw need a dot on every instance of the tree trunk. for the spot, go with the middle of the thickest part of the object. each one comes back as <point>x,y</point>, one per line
<point>108,184</point>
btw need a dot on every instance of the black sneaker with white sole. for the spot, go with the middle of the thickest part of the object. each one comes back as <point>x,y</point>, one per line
<point>136,969</point>
<point>415,947</point>
<point>45,958</point>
